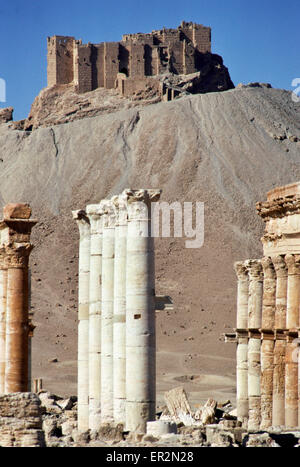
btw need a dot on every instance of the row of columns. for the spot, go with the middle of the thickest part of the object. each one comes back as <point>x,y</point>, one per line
<point>268,314</point>
<point>116,331</point>
<point>16,328</point>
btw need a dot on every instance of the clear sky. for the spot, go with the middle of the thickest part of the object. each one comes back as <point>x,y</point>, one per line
<point>258,39</point>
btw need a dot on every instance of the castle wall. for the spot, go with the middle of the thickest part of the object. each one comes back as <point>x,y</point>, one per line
<point>137,56</point>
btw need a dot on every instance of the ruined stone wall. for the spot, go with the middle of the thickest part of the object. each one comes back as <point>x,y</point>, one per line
<point>21,421</point>
<point>137,55</point>
<point>60,68</point>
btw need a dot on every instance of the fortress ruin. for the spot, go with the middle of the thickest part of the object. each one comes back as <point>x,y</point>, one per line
<point>129,63</point>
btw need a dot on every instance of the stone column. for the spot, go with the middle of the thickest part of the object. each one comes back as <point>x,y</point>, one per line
<point>267,345</point>
<point>94,214</point>
<point>119,320</point>
<point>140,312</point>
<point>255,293</point>
<point>242,343</point>
<point>254,393</point>
<point>291,383</point>
<point>278,416</point>
<point>281,291</point>
<point>83,224</point>
<point>3,293</point>
<point>15,238</point>
<point>293,291</point>
<point>108,252</point>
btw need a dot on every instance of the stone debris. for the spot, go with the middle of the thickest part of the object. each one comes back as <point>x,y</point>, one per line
<point>6,115</point>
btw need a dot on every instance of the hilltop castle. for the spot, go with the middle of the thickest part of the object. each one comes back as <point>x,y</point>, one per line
<point>127,63</point>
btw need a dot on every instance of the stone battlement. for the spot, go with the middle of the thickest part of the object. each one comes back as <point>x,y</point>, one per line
<point>90,66</point>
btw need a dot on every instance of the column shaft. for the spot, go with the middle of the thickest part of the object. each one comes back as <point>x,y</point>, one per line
<point>83,224</point>
<point>293,291</point>
<point>3,293</point>
<point>255,293</point>
<point>254,393</point>
<point>119,321</point>
<point>281,291</point>
<point>95,281</point>
<point>140,313</point>
<point>108,251</point>
<point>278,413</point>
<point>291,385</point>
<point>267,369</point>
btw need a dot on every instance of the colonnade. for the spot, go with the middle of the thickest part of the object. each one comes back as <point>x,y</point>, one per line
<point>268,309</point>
<point>16,328</point>
<point>116,331</point>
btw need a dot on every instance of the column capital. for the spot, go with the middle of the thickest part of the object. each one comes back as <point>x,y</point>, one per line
<point>139,202</point>
<point>280,265</point>
<point>82,221</point>
<point>15,256</point>
<point>95,212</point>
<point>120,207</point>
<point>268,268</point>
<point>293,264</point>
<point>254,268</point>
<point>241,270</point>
<point>109,215</point>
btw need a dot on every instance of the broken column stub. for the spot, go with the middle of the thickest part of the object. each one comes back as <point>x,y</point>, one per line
<point>108,254</point>
<point>83,224</point>
<point>119,318</point>
<point>140,312</point>
<point>94,213</point>
<point>15,250</point>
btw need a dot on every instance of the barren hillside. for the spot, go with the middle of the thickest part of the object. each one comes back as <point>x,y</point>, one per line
<point>225,149</point>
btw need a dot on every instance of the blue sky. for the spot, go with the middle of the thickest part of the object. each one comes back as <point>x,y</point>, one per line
<point>258,39</point>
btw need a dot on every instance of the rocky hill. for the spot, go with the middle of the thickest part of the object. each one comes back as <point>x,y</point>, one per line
<point>225,149</point>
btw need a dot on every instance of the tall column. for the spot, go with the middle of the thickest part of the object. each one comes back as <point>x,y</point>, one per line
<point>278,412</point>
<point>140,312</point>
<point>267,345</point>
<point>83,224</point>
<point>291,383</point>
<point>255,293</point>
<point>254,393</point>
<point>94,214</point>
<point>293,291</point>
<point>15,238</point>
<point>3,293</point>
<point>281,291</point>
<point>108,252</point>
<point>242,345</point>
<point>119,320</point>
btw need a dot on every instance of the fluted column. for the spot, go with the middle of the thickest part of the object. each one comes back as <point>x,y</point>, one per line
<point>83,224</point>
<point>94,214</point>
<point>255,293</point>
<point>242,344</point>
<point>140,312</point>
<point>108,252</point>
<point>3,293</point>
<point>119,320</point>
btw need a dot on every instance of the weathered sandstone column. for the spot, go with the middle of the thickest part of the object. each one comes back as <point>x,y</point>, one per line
<point>94,214</point>
<point>3,293</point>
<point>278,413</point>
<point>281,291</point>
<point>267,345</point>
<point>293,291</point>
<point>242,343</point>
<point>291,383</point>
<point>108,252</point>
<point>255,293</point>
<point>15,236</point>
<point>119,320</point>
<point>254,393</point>
<point>140,312</point>
<point>83,224</point>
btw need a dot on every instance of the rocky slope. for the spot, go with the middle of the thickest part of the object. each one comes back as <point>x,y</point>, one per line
<point>224,149</point>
